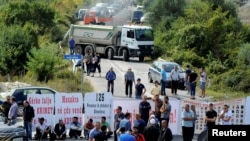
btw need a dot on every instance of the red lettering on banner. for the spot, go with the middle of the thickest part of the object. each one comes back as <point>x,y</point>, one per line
<point>46,100</point>
<point>77,110</point>
<point>71,99</point>
<point>67,110</point>
<point>34,100</point>
<point>44,110</point>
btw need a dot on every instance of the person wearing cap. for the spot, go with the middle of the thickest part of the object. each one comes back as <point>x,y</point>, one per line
<point>71,45</point>
<point>129,79</point>
<point>42,130</point>
<point>75,128</point>
<point>13,112</point>
<point>59,132</point>
<point>139,89</point>
<point>138,136</point>
<point>151,132</point>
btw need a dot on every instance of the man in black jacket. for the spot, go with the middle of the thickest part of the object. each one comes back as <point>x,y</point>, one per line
<point>28,115</point>
<point>166,133</point>
<point>151,132</point>
<point>6,107</point>
<point>59,131</point>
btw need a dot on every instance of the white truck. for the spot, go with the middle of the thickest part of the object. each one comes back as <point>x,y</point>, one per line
<point>109,41</point>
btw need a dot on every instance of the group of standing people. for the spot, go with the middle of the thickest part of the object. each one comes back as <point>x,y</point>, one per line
<point>192,80</point>
<point>149,125</point>
<point>10,110</point>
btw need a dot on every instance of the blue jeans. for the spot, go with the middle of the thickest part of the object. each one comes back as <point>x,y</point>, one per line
<point>86,134</point>
<point>28,128</point>
<point>192,89</point>
<point>71,51</point>
<point>138,97</point>
<point>163,87</point>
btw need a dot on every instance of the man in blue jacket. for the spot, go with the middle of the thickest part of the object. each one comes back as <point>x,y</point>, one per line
<point>110,77</point>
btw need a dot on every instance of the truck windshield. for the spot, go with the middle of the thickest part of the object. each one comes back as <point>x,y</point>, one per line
<point>144,34</point>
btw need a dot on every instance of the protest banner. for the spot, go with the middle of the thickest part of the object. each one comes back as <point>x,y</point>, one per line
<point>247,111</point>
<point>97,105</point>
<point>67,106</point>
<point>43,105</point>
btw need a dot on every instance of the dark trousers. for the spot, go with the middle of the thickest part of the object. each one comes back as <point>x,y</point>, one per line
<point>88,68</point>
<point>74,133</point>
<point>71,50</point>
<point>129,85</point>
<point>145,118</point>
<point>40,135</point>
<point>98,67</point>
<point>187,133</point>
<point>193,129</point>
<point>163,87</point>
<point>192,89</point>
<point>115,135</point>
<point>53,137</point>
<point>174,86</point>
<point>111,86</point>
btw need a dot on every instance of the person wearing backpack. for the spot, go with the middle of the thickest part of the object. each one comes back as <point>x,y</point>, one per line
<point>110,77</point>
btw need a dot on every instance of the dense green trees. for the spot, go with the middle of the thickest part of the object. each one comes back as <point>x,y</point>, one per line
<point>204,33</point>
<point>25,26</point>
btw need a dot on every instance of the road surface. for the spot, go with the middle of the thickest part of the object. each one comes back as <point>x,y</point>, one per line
<point>120,67</point>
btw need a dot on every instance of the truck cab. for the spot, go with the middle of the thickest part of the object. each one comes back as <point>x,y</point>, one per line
<point>139,40</point>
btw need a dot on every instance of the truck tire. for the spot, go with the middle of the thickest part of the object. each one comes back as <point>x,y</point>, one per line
<point>141,58</point>
<point>110,53</point>
<point>125,55</point>
<point>78,49</point>
<point>90,48</point>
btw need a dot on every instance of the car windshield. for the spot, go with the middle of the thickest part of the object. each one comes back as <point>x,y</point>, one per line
<point>144,34</point>
<point>138,14</point>
<point>95,9</point>
<point>170,67</point>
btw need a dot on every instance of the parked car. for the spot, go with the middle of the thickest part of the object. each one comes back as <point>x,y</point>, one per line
<point>155,69</point>
<point>11,132</point>
<point>21,94</point>
<point>81,14</point>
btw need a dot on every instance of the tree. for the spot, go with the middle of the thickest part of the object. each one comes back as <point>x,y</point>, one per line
<point>15,43</point>
<point>43,61</point>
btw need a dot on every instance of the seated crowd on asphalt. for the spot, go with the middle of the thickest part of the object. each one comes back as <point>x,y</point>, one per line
<point>149,124</point>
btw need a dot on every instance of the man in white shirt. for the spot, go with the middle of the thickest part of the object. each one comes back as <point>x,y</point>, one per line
<point>225,116</point>
<point>175,77</point>
<point>42,130</point>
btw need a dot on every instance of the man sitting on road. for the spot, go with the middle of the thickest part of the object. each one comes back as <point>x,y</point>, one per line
<point>75,128</point>
<point>42,130</point>
<point>59,131</point>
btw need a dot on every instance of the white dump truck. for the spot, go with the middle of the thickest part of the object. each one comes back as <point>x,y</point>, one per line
<point>109,41</point>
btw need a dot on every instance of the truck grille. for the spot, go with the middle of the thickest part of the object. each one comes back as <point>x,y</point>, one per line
<point>145,47</point>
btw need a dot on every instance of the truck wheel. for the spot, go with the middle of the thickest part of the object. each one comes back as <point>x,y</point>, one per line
<point>141,58</point>
<point>88,48</point>
<point>110,53</point>
<point>78,49</point>
<point>125,55</point>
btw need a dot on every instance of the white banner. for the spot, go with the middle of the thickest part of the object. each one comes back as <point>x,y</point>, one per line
<point>67,106</point>
<point>43,105</point>
<point>132,106</point>
<point>97,105</point>
<point>247,111</point>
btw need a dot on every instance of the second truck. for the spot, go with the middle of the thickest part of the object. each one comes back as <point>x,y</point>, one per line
<point>109,41</point>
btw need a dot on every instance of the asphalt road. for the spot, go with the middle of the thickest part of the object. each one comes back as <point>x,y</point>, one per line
<point>120,67</point>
